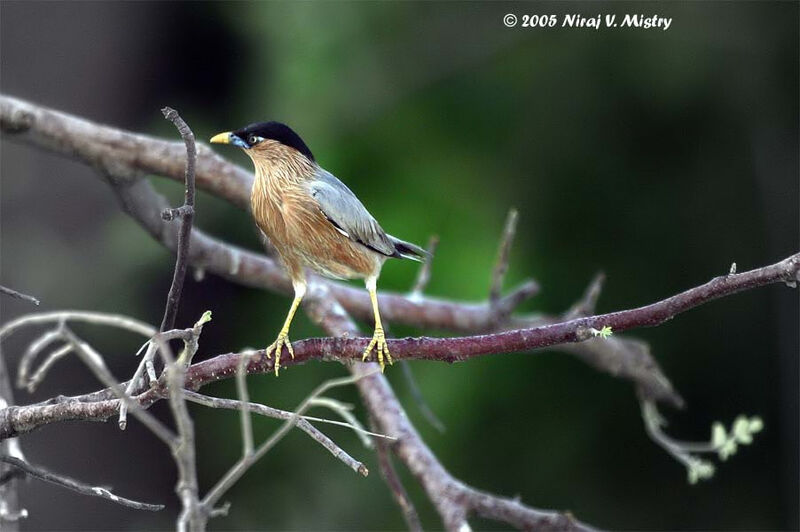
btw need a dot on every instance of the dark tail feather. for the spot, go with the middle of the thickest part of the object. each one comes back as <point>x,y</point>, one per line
<point>407,250</point>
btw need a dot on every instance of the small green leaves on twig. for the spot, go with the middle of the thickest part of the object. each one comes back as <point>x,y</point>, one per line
<point>605,332</point>
<point>698,469</point>
<point>726,444</point>
<point>722,443</point>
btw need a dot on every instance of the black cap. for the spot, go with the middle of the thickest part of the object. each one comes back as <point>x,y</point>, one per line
<point>275,131</point>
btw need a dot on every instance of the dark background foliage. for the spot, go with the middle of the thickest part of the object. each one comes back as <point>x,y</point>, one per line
<point>657,157</point>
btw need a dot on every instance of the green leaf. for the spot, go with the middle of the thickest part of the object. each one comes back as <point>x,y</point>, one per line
<point>718,435</point>
<point>728,449</point>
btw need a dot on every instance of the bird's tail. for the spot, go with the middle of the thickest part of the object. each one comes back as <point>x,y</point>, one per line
<point>407,250</point>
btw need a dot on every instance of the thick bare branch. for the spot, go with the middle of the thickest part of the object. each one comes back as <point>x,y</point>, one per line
<point>452,499</point>
<point>19,419</point>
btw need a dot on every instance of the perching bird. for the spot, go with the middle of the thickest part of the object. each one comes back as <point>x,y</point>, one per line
<point>314,221</point>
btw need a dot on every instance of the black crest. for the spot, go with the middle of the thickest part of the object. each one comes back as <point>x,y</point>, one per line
<point>275,131</point>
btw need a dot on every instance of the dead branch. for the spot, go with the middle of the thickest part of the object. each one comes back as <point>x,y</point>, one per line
<point>79,487</point>
<point>396,487</point>
<point>453,500</point>
<point>18,295</point>
<point>18,419</point>
<point>304,424</point>
<point>186,213</point>
<point>503,256</point>
<point>424,274</point>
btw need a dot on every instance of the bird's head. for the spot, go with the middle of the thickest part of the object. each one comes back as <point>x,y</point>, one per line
<point>264,139</point>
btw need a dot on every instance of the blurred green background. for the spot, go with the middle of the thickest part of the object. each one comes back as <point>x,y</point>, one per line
<point>658,157</point>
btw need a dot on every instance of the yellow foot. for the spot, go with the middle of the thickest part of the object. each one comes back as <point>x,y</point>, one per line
<point>379,343</point>
<point>282,340</point>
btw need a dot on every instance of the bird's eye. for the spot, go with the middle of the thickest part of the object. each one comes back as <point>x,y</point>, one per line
<point>254,139</point>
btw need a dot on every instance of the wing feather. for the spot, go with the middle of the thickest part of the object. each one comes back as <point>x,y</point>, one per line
<point>347,214</point>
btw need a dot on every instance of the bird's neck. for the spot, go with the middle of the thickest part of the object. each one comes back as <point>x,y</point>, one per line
<point>278,171</point>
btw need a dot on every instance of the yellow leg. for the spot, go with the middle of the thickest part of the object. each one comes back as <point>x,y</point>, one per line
<point>378,339</point>
<point>283,336</point>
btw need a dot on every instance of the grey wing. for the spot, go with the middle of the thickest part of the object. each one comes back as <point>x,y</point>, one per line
<point>344,210</point>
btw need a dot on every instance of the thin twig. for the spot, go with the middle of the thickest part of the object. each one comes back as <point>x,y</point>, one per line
<point>95,318</point>
<point>192,516</point>
<point>35,347</point>
<point>145,364</point>
<point>45,366</point>
<point>396,487</point>
<point>94,361</point>
<point>244,412</point>
<point>10,511</point>
<point>186,213</point>
<point>345,412</point>
<point>183,448</point>
<point>424,275</point>
<point>585,306</point>
<point>18,295</point>
<point>503,256</point>
<point>187,217</point>
<point>244,463</point>
<point>303,424</point>
<point>268,411</point>
<point>419,399</point>
<point>80,487</point>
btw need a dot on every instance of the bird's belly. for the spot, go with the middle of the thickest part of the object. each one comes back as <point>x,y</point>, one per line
<point>304,238</point>
<point>338,257</point>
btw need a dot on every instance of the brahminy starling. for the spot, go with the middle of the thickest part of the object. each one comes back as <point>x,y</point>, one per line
<point>315,221</point>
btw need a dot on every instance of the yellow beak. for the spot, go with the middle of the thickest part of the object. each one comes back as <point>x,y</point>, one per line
<point>221,138</point>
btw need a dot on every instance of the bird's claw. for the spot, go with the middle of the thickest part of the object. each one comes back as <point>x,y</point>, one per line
<point>280,341</point>
<point>379,343</point>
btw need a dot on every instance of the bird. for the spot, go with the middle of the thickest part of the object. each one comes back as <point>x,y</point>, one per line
<point>314,221</point>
